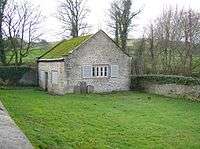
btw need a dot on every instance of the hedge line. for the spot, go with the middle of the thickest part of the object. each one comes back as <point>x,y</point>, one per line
<point>10,75</point>
<point>164,79</point>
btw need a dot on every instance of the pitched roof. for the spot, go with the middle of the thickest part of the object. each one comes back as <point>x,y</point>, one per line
<point>65,47</point>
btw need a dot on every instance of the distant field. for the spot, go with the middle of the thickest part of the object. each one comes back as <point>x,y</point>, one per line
<point>34,53</point>
<point>32,56</point>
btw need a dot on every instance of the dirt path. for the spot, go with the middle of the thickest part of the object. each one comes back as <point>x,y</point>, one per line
<point>11,137</point>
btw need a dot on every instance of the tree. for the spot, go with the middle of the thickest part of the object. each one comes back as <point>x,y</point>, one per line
<point>21,28</point>
<point>152,48</point>
<point>174,37</point>
<point>115,20</point>
<point>139,57</point>
<point>121,20</point>
<point>72,14</point>
<point>2,52</point>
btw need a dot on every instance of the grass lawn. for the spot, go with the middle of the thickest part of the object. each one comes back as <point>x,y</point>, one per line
<point>118,120</point>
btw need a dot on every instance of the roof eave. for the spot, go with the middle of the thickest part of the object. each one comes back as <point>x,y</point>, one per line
<point>51,60</point>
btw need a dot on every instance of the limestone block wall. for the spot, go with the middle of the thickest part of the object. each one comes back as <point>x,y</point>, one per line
<point>99,50</point>
<point>174,90</point>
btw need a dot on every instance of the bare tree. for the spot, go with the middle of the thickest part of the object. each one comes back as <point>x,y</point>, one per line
<point>191,35</point>
<point>72,14</point>
<point>2,52</point>
<point>121,17</point>
<point>152,47</point>
<point>174,36</point>
<point>115,20</point>
<point>21,28</point>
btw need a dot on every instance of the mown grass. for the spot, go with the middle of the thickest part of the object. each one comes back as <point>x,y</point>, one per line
<point>117,120</point>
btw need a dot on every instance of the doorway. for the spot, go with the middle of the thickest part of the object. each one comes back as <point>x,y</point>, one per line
<point>46,81</point>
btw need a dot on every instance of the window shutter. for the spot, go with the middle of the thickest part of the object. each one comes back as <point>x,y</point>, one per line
<point>114,71</point>
<point>87,71</point>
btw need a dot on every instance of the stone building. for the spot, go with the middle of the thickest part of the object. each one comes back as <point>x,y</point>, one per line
<point>93,62</point>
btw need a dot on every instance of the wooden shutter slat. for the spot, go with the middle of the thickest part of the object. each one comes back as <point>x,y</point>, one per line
<point>114,71</point>
<point>87,71</point>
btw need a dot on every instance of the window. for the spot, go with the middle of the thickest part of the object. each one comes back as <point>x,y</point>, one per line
<point>97,71</point>
<point>100,71</point>
<point>93,71</point>
<point>105,71</point>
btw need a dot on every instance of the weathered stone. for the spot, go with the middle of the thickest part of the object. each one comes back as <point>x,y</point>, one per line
<point>77,89</point>
<point>173,90</point>
<point>90,89</point>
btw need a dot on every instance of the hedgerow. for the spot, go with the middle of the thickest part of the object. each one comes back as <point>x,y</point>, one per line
<point>10,75</point>
<point>163,79</point>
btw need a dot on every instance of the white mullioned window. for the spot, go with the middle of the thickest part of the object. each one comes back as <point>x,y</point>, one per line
<point>100,71</point>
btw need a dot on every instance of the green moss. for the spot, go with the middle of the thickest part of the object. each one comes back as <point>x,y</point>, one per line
<point>64,47</point>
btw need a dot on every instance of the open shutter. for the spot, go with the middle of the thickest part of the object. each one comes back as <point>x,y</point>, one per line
<point>114,71</point>
<point>87,71</point>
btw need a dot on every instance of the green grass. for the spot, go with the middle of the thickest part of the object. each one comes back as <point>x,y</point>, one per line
<point>33,55</point>
<point>30,58</point>
<point>117,120</point>
<point>64,47</point>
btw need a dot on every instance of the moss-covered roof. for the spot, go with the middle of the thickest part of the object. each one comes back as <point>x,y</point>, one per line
<point>64,47</point>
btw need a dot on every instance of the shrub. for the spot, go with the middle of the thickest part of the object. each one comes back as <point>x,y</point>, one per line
<point>10,75</point>
<point>163,79</point>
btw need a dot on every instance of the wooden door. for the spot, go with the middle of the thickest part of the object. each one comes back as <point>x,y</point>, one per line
<point>46,81</point>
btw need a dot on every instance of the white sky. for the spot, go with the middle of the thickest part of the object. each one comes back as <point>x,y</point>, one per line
<point>98,14</point>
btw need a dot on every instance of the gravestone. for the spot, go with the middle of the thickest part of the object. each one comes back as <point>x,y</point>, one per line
<point>83,87</point>
<point>77,89</point>
<point>90,89</point>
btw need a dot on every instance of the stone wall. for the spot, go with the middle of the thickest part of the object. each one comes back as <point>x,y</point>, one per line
<point>29,78</point>
<point>173,90</point>
<point>99,50</point>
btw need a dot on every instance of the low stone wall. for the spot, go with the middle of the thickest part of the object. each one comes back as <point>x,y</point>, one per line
<point>18,76</point>
<point>29,78</point>
<point>173,90</point>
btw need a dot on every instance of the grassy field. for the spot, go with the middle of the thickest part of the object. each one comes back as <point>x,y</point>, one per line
<point>31,58</point>
<point>117,120</point>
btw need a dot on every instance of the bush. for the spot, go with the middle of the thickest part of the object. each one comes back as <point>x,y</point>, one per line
<point>163,79</point>
<point>10,75</point>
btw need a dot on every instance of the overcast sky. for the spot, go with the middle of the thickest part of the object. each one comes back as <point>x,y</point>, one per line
<point>98,15</point>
